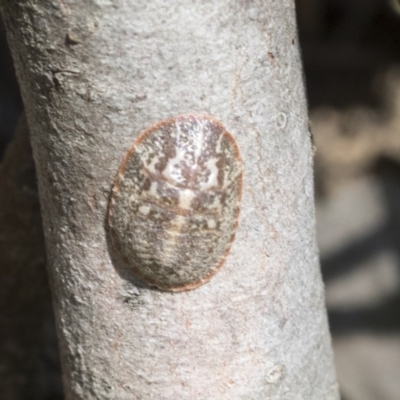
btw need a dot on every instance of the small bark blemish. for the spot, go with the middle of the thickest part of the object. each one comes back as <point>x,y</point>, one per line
<point>58,76</point>
<point>71,39</point>
<point>274,374</point>
<point>281,120</point>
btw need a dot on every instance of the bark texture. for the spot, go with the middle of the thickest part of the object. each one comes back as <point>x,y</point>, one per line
<point>94,75</point>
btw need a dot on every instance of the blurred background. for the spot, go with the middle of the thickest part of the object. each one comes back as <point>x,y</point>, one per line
<point>351,56</point>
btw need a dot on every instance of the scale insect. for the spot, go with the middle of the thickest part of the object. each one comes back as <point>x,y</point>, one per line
<point>175,203</point>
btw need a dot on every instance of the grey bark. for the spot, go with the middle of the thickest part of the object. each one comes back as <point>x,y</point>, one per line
<point>93,76</point>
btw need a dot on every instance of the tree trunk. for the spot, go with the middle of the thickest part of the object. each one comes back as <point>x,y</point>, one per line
<point>94,75</point>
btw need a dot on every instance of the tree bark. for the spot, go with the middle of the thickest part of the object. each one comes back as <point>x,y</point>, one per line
<point>96,74</point>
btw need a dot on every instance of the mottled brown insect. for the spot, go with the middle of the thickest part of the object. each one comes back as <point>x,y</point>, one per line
<point>175,202</point>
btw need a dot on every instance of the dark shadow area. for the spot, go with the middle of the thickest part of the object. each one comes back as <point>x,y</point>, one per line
<point>10,98</point>
<point>384,318</point>
<point>355,253</point>
<point>345,45</point>
<point>29,359</point>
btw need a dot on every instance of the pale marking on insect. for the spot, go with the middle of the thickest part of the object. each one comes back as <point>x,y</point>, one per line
<point>153,189</point>
<point>211,224</point>
<point>153,162</point>
<point>185,199</point>
<point>199,145</point>
<point>173,235</point>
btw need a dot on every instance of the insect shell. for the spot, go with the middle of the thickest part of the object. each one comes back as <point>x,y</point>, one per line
<point>175,202</point>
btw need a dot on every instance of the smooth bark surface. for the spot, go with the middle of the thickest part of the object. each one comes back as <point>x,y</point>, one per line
<point>94,75</point>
